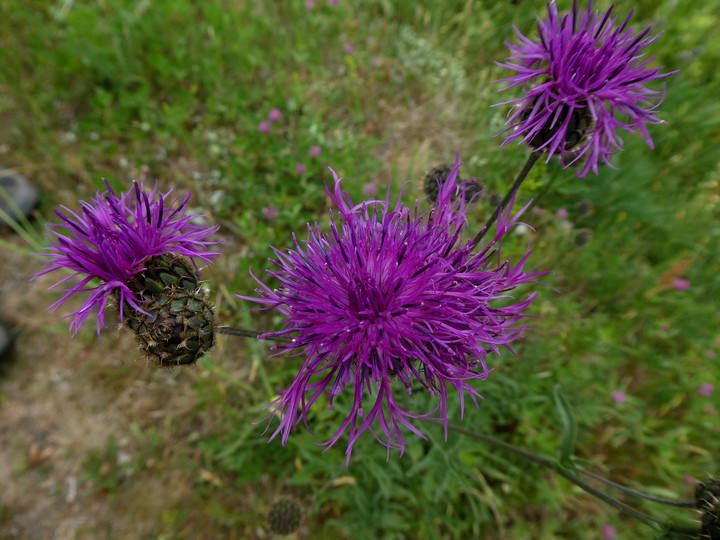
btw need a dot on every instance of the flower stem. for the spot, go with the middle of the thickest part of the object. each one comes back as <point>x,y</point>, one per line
<point>531,160</point>
<point>629,491</point>
<point>242,332</point>
<point>620,506</point>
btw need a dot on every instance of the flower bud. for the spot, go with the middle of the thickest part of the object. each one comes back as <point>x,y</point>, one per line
<point>179,325</point>
<point>284,516</point>
<point>707,500</point>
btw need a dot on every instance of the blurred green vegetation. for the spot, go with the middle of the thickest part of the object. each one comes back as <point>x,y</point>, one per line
<point>176,90</point>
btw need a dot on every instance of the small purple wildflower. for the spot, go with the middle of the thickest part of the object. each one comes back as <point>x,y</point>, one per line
<point>609,532</point>
<point>562,213</point>
<point>681,284</point>
<point>112,239</point>
<point>619,396</point>
<point>264,127</point>
<point>706,389</point>
<point>270,212</point>
<point>375,62</point>
<point>274,115</point>
<point>370,189</point>
<point>300,168</point>
<point>333,3</point>
<point>314,151</point>
<point>390,300</point>
<point>309,4</point>
<point>348,48</point>
<point>581,74</point>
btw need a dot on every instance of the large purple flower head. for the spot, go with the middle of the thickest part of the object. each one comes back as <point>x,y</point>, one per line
<point>113,238</point>
<point>392,300</point>
<point>583,80</point>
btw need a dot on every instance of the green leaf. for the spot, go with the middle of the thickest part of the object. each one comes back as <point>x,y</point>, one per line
<point>569,435</point>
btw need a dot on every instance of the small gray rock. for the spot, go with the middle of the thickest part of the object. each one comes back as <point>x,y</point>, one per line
<point>21,192</point>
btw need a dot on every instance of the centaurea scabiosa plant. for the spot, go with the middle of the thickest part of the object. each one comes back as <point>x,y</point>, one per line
<point>388,301</point>
<point>133,247</point>
<point>584,80</point>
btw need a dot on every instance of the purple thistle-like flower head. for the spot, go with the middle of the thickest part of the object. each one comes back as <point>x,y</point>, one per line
<point>584,79</point>
<point>391,300</point>
<point>111,240</point>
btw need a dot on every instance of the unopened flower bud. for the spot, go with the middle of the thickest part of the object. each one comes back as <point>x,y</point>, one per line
<point>179,326</point>
<point>582,237</point>
<point>707,499</point>
<point>284,516</point>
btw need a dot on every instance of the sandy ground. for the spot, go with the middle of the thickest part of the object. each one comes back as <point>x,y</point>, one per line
<point>61,398</point>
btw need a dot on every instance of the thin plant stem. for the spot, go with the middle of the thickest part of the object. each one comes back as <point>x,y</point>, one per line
<point>620,506</point>
<point>531,160</point>
<point>629,491</point>
<point>242,332</point>
<point>545,189</point>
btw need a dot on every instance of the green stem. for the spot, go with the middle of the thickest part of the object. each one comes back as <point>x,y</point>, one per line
<point>531,160</point>
<point>242,332</point>
<point>620,506</point>
<point>629,491</point>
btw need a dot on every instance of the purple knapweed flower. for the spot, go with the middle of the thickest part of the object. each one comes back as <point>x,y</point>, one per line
<point>111,240</point>
<point>390,300</point>
<point>584,79</point>
<point>264,127</point>
<point>314,151</point>
<point>300,168</point>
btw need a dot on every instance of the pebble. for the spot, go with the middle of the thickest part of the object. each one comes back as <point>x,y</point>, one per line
<point>21,192</point>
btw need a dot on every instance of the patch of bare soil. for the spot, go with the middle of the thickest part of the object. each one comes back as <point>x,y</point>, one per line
<point>62,400</point>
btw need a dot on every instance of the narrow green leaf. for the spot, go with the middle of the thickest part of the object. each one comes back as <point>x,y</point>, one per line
<point>569,434</point>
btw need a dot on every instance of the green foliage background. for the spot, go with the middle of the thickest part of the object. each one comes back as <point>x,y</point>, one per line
<point>175,90</point>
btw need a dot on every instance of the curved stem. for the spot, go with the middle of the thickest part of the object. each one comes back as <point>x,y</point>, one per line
<point>620,506</point>
<point>242,332</point>
<point>531,160</point>
<point>629,491</point>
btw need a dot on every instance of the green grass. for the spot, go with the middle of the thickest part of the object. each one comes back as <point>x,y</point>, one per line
<point>175,90</point>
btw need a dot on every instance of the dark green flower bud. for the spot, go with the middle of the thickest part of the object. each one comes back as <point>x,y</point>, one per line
<point>284,516</point>
<point>582,237</point>
<point>707,500</point>
<point>180,327</point>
